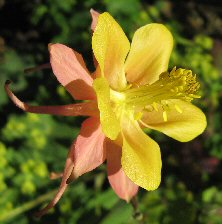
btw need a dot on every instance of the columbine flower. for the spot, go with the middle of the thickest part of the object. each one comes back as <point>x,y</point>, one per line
<point>130,89</point>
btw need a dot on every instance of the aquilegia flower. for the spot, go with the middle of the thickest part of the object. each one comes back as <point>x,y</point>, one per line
<point>130,89</point>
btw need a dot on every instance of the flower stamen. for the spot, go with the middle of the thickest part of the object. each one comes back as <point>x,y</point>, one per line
<point>178,109</point>
<point>155,106</point>
<point>138,115</point>
<point>178,84</point>
<point>165,116</point>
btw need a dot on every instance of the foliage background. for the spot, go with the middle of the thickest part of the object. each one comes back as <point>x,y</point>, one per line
<point>31,146</point>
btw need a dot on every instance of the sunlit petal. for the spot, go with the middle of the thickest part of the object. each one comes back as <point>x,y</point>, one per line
<point>109,122</point>
<point>141,159</point>
<point>149,54</point>
<point>110,46</point>
<point>183,125</point>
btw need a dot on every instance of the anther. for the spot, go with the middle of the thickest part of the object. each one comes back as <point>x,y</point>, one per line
<point>178,108</point>
<point>165,116</point>
<point>138,116</point>
<point>155,106</point>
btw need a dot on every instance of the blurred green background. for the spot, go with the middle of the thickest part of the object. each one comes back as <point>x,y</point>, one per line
<point>32,146</point>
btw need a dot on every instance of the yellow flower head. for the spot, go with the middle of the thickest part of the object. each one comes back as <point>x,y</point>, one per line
<point>134,89</point>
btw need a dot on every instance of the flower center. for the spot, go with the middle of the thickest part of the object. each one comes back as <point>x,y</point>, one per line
<point>178,84</point>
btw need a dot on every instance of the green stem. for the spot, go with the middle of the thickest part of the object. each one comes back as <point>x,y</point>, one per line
<point>27,206</point>
<point>138,215</point>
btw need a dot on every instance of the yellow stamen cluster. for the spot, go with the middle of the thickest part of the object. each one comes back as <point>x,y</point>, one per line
<point>184,83</point>
<point>178,84</point>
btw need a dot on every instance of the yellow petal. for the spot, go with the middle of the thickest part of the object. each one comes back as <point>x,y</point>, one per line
<point>149,54</point>
<point>184,120</point>
<point>109,122</point>
<point>141,159</point>
<point>110,46</point>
